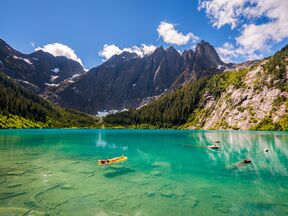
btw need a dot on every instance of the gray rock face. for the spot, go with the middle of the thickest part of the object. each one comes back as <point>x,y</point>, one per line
<point>243,107</point>
<point>125,80</point>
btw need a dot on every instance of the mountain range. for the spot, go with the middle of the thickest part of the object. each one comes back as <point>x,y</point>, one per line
<point>165,89</point>
<point>124,81</point>
<point>252,96</point>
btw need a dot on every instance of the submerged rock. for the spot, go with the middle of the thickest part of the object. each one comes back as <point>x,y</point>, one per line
<point>67,187</point>
<point>156,173</point>
<point>102,214</point>
<point>222,210</point>
<point>19,211</point>
<point>216,196</point>
<point>22,162</point>
<point>150,193</point>
<point>11,171</point>
<point>10,195</point>
<point>16,172</point>
<point>193,202</point>
<point>13,185</point>
<point>136,205</point>
<point>168,194</point>
<point>48,189</point>
<point>75,162</point>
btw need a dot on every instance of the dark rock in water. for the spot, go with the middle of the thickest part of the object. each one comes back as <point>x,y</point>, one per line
<point>22,162</point>
<point>19,211</point>
<point>48,189</point>
<point>31,204</point>
<point>13,185</point>
<point>216,196</point>
<point>67,187</point>
<point>168,194</point>
<point>260,206</point>
<point>194,203</point>
<point>91,175</point>
<point>150,193</point>
<point>12,173</point>
<point>75,162</point>
<point>223,210</point>
<point>101,200</point>
<point>136,206</point>
<point>223,207</point>
<point>10,195</point>
<point>156,173</point>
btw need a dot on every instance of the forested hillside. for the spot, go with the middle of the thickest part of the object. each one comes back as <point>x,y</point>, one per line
<point>21,108</point>
<point>251,98</point>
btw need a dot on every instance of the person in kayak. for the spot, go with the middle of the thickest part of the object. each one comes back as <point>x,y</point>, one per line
<point>240,164</point>
<point>112,160</point>
<point>213,147</point>
<point>104,161</point>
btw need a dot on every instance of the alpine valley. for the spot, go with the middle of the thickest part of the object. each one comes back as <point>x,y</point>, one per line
<point>165,89</point>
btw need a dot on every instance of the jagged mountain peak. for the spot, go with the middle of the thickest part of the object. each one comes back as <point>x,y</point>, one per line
<point>6,50</point>
<point>171,49</point>
<point>188,53</point>
<point>207,51</point>
<point>159,49</point>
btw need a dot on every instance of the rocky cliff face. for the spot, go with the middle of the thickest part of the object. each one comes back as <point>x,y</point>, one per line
<point>259,101</point>
<point>125,80</point>
<point>37,70</point>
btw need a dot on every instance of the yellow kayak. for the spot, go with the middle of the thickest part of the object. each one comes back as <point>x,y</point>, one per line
<point>112,160</point>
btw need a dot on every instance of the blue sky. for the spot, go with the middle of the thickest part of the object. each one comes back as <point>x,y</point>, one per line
<point>86,26</point>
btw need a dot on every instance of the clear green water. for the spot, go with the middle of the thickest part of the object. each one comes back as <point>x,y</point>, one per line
<point>54,172</point>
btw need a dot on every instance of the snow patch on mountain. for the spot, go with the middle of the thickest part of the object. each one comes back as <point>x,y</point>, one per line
<point>51,84</point>
<point>53,78</point>
<point>23,59</point>
<point>55,70</point>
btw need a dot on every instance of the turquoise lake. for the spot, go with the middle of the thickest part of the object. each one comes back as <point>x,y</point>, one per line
<point>169,172</point>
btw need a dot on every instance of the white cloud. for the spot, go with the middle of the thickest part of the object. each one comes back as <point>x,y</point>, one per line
<point>171,36</point>
<point>109,50</point>
<point>58,49</point>
<point>222,12</point>
<point>255,33</point>
<point>230,53</point>
<point>148,49</point>
<point>227,52</point>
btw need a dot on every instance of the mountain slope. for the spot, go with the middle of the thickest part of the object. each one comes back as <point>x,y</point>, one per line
<point>37,70</point>
<point>21,108</point>
<point>125,80</point>
<point>251,98</point>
